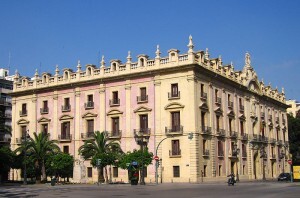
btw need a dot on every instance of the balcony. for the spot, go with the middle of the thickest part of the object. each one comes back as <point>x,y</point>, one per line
<point>272,141</point>
<point>241,108</point>
<point>256,138</point>
<point>142,132</point>
<point>272,157</point>
<point>89,105</point>
<point>205,153</point>
<point>23,112</point>
<point>142,99</point>
<point>262,115</point>
<point>244,155</point>
<point>218,101</point>
<point>65,137</point>
<point>230,105</point>
<point>88,135</point>
<point>205,130</point>
<point>114,102</point>
<point>5,115</point>
<point>244,136</point>
<point>220,133</point>
<point>220,154</point>
<point>265,139</point>
<point>279,142</point>
<point>44,110</point>
<point>203,96</point>
<point>175,153</point>
<point>286,143</point>
<point>65,108</point>
<point>233,134</point>
<point>4,102</point>
<point>116,134</point>
<point>232,154</point>
<point>173,130</point>
<point>173,95</point>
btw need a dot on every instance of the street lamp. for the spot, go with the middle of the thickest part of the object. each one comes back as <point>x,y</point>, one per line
<point>235,153</point>
<point>25,137</point>
<point>263,155</point>
<point>142,140</point>
<point>282,155</point>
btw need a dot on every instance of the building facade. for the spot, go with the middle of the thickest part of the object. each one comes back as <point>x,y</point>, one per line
<point>208,119</point>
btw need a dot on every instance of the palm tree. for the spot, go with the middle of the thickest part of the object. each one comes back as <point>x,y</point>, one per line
<point>39,147</point>
<point>99,148</point>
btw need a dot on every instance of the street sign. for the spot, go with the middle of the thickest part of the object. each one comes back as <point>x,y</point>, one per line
<point>290,161</point>
<point>134,163</point>
<point>156,158</point>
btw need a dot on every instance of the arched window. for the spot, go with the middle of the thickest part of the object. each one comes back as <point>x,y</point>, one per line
<point>66,76</point>
<point>44,79</point>
<point>173,56</point>
<point>89,71</point>
<point>114,67</point>
<point>142,62</point>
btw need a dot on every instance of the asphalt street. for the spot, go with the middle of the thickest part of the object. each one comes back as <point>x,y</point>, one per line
<point>171,190</point>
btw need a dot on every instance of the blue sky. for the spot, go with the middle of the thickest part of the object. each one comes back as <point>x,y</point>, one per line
<point>40,34</point>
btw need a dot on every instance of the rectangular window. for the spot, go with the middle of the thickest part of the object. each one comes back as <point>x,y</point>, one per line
<point>90,98</point>
<point>143,94</point>
<point>45,104</point>
<point>176,171</point>
<point>90,126</point>
<point>66,149</point>
<point>244,151</point>
<point>204,146</point>
<point>65,130</point>
<point>220,170</point>
<point>90,101</point>
<point>242,127</point>
<point>67,101</point>
<point>90,172</point>
<point>218,122</point>
<point>175,121</point>
<point>44,128</point>
<point>175,147</point>
<point>230,124</point>
<point>143,123</point>
<point>216,95</point>
<point>24,109</point>
<point>202,119</point>
<point>115,126</point>
<point>23,130</point>
<point>220,149</point>
<point>204,170</point>
<point>44,108</point>
<point>115,172</point>
<point>145,172</point>
<point>66,106</point>
<point>115,97</point>
<point>174,90</point>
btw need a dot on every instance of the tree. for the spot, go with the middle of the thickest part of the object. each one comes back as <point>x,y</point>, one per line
<point>294,138</point>
<point>100,148</point>
<point>6,161</point>
<point>60,165</point>
<point>39,148</point>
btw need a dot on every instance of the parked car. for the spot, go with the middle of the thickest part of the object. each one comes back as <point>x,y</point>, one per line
<point>284,177</point>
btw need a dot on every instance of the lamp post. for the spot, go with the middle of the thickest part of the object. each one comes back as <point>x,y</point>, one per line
<point>26,135</point>
<point>235,153</point>
<point>263,155</point>
<point>282,155</point>
<point>142,140</point>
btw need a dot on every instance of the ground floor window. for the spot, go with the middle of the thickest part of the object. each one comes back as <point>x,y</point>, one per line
<point>176,171</point>
<point>220,170</point>
<point>66,149</point>
<point>145,172</point>
<point>115,172</point>
<point>90,171</point>
<point>204,170</point>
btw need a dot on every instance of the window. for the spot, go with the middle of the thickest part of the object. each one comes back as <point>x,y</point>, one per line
<point>44,109</point>
<point>23,130</point>
<point>145,172</point>
<point>174,90</point>
<point>244,151</point>
<point>65,130</point>
<point>241,104</point>
<point>45,104</point>
<point>66,106</point>
<point>204,145</point>
<point>142,62</point>
<point>115,98</point>
<point>204,170</point>
<point>176,171</point>
<point>277,134</point>
<point>220,170</point>
<point>175,121</point>
<point>143,96</point>
<point>220,149</point>
<point>90,126</point>
<point>114,67</point>
<point>202,92</point>
<point>144,123</point>
<point>44,128</point>
<point>67,101</point>
<point>175,148</point>
<point>66,149</point>
<point>230,124</point>
<point>24,109</point>
<point>216,95</point>
<point>242,127</point>
<point>115,172</point>
<point>90,172</point>
<point>90,102</point>
<point>115,126</point>
<point>203,120</point>
<point>218,123</point>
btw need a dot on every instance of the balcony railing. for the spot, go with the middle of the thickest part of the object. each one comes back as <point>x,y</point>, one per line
<point>89,105</point>
<point>116,134</point>
<point>88,135</point>
<point>205,153</point>
<point>242,108</point>
<point>65,108</point>
<point>23,112</point>
<point>244,154</point>
<point>272,140</point>
<point>65,137</point>
<point>44,110</point>
<point>206,130</point>
<point>175,95</point>
<point>175,153</point>
<point>264,139</point>
<point>218,100</point>
<point>279,142</point>
<point>220,132</point>
<point>114,102</point>
<point>203,95</point>
<point>142,131</point>
<point>174,130</point>
<point>244,136</point>
<point>256,138</point>
<point>142,98</point>
<point>230,104</point>
<point>221,154</point>
<point>272,156</point>
<point>233,134</point>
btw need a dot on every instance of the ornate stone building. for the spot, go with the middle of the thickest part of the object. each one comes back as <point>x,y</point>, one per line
<point>238,124</point>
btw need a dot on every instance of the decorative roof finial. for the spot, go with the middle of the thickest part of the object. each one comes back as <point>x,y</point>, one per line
<point>78,66</point>
<point>36,74</point>
<point>247,59</point>
<point>56,71</point>
<point>282,90</point>
<point>220,59</point>
<point>157,52</point>
<point>262,81</point>
<point>102,61</point>
<point>190,45</point>
<point>206,55</point>
<point>231,64</point>
<point>129,57</point>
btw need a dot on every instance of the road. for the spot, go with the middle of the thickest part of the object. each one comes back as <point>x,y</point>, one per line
<point>175,190</point>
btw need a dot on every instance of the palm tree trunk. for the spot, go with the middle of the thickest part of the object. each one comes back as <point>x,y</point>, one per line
<point>44,177</point>
<point>106,175</point>
<point>37,173</point>
<point>100,175</point>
